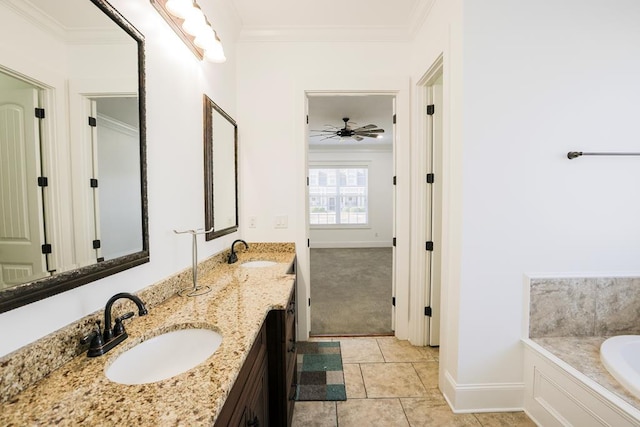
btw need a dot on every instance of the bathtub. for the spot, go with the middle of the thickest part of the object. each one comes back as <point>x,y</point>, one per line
<point>621,356</point>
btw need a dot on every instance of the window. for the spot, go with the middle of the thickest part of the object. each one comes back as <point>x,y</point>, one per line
<point>338,196</point>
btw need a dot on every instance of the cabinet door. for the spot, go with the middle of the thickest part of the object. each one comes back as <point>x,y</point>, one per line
<point>257,411</point>
<point>242,408</point>
<point>281,344</point>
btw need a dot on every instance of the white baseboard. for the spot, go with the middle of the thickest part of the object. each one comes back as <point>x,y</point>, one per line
<point>331,245</point>
<point>491,397</point>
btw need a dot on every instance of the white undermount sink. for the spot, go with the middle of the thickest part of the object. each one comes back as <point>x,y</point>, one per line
<point>164,356</point>
<point>258,263</point>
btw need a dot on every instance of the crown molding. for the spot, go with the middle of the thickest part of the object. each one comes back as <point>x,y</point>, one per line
<point>324,34</point>
<point>419,14</point>
<point>36,17</point>
<point>66,35</point>
<point>117,125</point>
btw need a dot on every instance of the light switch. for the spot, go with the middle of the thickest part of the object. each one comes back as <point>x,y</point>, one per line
<point>282,221</point>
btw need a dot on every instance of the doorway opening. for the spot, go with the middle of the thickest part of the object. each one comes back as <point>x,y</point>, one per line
<point>112,133</point>
<point>350,215</point>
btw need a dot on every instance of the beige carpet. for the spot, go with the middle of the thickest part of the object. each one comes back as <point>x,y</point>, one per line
<point>351,291</point>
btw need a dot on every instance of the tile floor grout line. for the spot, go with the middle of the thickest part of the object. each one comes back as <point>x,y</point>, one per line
<point>380,348</point>
<point>404,411</point>
<point>419,377</point>
<point>364,385</point>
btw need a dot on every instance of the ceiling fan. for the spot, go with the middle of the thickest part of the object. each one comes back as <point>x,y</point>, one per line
<point>334,132</point>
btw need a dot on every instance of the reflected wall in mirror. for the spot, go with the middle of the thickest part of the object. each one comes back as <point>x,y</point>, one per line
<point>220,171</point>
<point>73,203</point>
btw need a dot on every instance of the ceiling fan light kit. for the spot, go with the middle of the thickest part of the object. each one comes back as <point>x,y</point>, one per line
<point>367,131</point>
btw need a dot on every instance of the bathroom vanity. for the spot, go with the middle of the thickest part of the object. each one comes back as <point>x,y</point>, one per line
<point>264,392</point>
<point>248,380</point>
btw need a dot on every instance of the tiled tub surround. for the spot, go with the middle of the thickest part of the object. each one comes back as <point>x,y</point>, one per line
<point>51,381</point>
<point>584,307</point>
<point>571,318</point>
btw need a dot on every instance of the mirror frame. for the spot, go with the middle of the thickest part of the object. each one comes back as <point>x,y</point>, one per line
<point>29,292</point>
<point>211,108</point>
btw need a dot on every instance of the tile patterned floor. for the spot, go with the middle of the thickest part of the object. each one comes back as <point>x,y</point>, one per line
<point>392,383</point>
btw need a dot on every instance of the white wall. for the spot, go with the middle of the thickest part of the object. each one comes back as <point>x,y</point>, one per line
<point>175,83</point>
<point>441,35</point>
<point>273,77</point>
<point>379,231</point>
<point>539,79</point>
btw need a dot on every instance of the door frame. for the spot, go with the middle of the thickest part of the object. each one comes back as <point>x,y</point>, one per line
<point>421,271</point>
<point>357,85</point>
<point>358,163</point>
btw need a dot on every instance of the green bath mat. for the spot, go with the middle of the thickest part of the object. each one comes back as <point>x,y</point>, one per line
<point>320,374</point>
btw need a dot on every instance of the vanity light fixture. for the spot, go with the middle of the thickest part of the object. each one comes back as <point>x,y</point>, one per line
<point>191,25</point>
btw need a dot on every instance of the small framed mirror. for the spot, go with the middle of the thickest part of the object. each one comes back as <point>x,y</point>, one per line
<point>220,171</point>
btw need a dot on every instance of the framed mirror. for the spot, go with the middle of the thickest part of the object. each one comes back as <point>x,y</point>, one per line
<point>220,171</point>
<point>73,191</point>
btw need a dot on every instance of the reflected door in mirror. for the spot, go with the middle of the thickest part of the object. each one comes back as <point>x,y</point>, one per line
<point>21,213</point>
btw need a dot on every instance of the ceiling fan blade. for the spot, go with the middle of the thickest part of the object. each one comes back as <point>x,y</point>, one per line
<point>369,131</point>
<point>357,138</point>
<point>329,137</point>
<point>366,127</point>
<point>368,135</point>
<point>322,137</point>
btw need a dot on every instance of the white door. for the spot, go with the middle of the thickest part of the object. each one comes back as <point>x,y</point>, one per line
<point>21,211</point>
<point>433,217</point>
<point>92,130</point>
<point>305,297</point>
<point>394,285</point>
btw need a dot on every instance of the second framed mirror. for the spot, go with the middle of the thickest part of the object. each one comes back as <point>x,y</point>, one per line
<point>220,171</point>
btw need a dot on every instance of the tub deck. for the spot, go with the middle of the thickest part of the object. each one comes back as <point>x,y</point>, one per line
<point>583,354</point>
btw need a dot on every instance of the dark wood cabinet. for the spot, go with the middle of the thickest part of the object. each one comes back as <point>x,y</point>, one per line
<point>248,402</point>
<point>264,392</point>
<point>281,350</point>
<point>257,408</point>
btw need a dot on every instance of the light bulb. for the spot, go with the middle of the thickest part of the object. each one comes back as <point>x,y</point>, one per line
<point>207,39</point>
<point>179,8</point>
<point>215,54</point>
<point>194,21</point>
<point>202,31</point>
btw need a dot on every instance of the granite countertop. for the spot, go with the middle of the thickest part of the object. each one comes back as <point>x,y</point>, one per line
<point>78,393</point>
<point>583,354</point>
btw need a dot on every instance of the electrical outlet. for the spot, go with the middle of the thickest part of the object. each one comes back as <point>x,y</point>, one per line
<point>252,221</point>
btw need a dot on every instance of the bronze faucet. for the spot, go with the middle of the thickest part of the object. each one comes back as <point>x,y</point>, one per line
<point>233,257</point>
<point>100,342</point>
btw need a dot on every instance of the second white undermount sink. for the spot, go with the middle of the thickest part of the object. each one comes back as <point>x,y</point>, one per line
<point>258,263</point>
<point>164,356</point>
